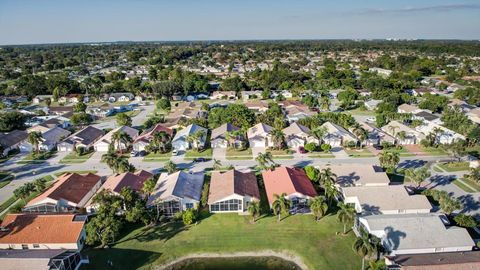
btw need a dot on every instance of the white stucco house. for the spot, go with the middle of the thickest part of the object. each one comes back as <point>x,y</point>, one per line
<point>104,142</point>
<point>180,141</point>
<point>297,135</point>
<point>219,135</point>
<point>336,135</point>
<point>259,136</point>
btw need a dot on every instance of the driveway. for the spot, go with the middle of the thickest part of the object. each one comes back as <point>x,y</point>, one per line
<point>257,150</point>
<point>219,153</point>
<point>338,152</point>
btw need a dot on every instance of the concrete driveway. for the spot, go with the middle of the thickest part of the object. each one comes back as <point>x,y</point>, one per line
<point>257,150</point>
<point>219,153</point>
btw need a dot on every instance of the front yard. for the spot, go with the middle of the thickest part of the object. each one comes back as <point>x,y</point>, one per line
<point>191,154</point>
<point>316,243</point>
<point>33,157</point>
<point>467,185</point>
<point>73,157</point>
<point>359,153</point>
<point>151,157</point>
<point>454,166</point>
<point>280,154</point>
<point>432,151</point>
<point>233,154</point>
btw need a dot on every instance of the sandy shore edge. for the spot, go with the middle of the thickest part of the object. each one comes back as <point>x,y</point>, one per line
<point>266,253</point>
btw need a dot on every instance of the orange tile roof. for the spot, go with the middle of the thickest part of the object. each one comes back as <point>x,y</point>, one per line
<point>287,180</point>
<point>133,180</point>
<point>232,182</point>
<point>39,229</point>
<point>71,187</point>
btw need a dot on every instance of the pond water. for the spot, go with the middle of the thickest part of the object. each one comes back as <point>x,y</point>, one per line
<point>237,263</point>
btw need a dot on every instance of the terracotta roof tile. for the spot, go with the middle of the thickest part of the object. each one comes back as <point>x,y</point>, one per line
<point>287,180</point>
<point>232,182</point>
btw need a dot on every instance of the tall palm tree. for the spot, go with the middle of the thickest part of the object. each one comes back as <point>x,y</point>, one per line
<point>148,187</point>
<point>360,133</point>
<point>393,130</point>
<point>318,133</point>
<point>331,191</point>
<point>318,206</point>
<point>389,160</point>
<point>254,209</point>
<point>265,161</point>
<point>325,103</point>
<point>170,167</point>
<point>122,165</point>
<point>160,141</point>
<point>345,215</point>
<point>278,138</point>
<point>121,138</point>
<point>198,138</point>
<point>217,164</point>
<point>281,205</point>
<point>327,175</point>
<point>111,159</point>
<point>474,175</point>
<point>402,135</point>
<point>363,246</point>
<point>417,176</point>
<point>34,138</point>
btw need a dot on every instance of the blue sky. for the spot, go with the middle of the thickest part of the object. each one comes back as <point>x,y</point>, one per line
<point>52,21</point>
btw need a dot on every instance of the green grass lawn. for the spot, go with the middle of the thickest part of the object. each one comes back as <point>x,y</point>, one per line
<point>233,154</point>
<point>79,172</point>
<point>316,243</point>
<point>191,154</point>
<point>33,157</point>
<point>359,153</point>
<point>361,112</point>
<point>403,152</point>
<point>467,185</point>
<point>73,157</point>
<point>158,156</point>
<point>5,178</point>
<point>454,166</point>
<point>432,151</point>
<point>280,154</point>
<point>464,187</point>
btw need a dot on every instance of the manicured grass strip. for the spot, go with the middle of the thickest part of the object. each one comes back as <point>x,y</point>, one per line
<point>5,182</point>
<point>359,153</point>
<point>472,184</point>
<point>158,156</point>
<point>79,172</point>
<point>432,151</point>
<point>207,153</point>
<point>75,158</point>
<point>464,187</point>
<point>233,154</point>
<point>316,243</point>
<point>7,203</point>
<point>455,166</point>
<point>318,155</point>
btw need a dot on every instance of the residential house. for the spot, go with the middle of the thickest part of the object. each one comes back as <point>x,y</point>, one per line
<point>410,135</point>
<point>474,115</point>
<point>375,135</point>
<point>254,94</point>
<point>232,191</point>
<point>258,106</point>
<point>103,144</point>
<point>465,260</point>
<point>220,135</point>
<point>177,192</point>
<point>41,259</point>
<point>457,103</point>
<point>223,95</point>
<point>425,116</point>
<point>61,110</point>
<point>84,138</point>
<point>69,193</point>
<point>443,135</point>
<point>42,98</point>
<point>291,181</point>
<point>141,142</point>
<point>416,233</point>
<point>135,181</point>
<point>372,104</point>
<point>11,141</point>
<point>295,113</point>
<point>70,98</point>
<point>364,92</point>
<point>181,140</point>
<point>38,128</point>
<point>407,108</point>
<point>381,71</point>
<point>101,111</point>
<point>284,93</point>
<point>422,91</point>
<point>120,97</point>
<point>393,200</point>
<point>337,136</point>
<point>359,175</point>
<point>49,141</point>
<point>297,136</point>
<point>259,135</point>
<point>42,232</point>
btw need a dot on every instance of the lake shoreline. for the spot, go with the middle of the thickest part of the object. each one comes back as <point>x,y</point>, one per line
<point>267,253</point>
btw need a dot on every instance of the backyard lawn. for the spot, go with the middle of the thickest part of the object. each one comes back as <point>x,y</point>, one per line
<point>158,156</point>
<point>191,154</point>
<point>454,166</point>
<point>316,243</point>
<point>359,153</point>
<point>233,154</point>
<point>73,157</point>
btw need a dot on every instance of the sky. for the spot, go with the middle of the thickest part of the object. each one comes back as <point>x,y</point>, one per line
<point>62,21</point>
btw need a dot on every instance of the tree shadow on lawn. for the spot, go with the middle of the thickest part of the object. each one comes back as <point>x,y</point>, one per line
<point>164,232</point>
<point>116,258</point>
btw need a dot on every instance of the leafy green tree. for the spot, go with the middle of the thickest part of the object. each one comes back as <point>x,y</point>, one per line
<point>10,121</point>
<point>81,119</point>
<point>124,120</point>
<point>417,176</point>
<point>149,186</point>
<point>389,160</point>
<point>318,206</point>
<point>163,104</point>
<point>170,167</point>
<point>312,173</point>
<point>79,107</point>
<point>310,147</point>
<point>188,217</point>
<point>465,221</point>
<point>326,147</point>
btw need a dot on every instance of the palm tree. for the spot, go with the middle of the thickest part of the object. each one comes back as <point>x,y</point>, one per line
<point>402,135</point>
<point>217,164</point>
<point>325,103</point>
<point>280,205</point>
<point>389,160</point>
<point>148,187</point>
<point>318,206</point>
<point>377,265</point>
<point>160,141</point>
<point>122,165</point>
<point>39,184</point>
<point>111,159</point>
<point>346,215</point>
<point>327,175</point>
<point>34,138</point>
<point>318,133</point>
<point>331,190</point>
<point>393,130</point>
<point>363,246</point>
<point>474,175</point>
<point>254,209</point>
<point>278,138</point>
<point>417,176</point>
<point>170,167</point>
<point>197,138</point>
<point>265,161</point>
<point>360,132</point>
<point>121,138</point>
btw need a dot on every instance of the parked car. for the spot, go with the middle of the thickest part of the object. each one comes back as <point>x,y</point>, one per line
<point>142,153</point>
<point>200,159</point>
<point>133,153</point>
<point>302,150</point>
<point>174,152</point>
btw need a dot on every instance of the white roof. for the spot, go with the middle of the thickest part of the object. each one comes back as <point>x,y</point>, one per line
<point>179,185</point>
<point>189,130</point>
<point>259,129</point>
<point>107,138</point>
<point>295,129</point>
<point>378,199</point>
<point>55,134</point>
<point>338,131</point>
<point>416,231</point>
<point>359,175</point>
<point>401,127</point>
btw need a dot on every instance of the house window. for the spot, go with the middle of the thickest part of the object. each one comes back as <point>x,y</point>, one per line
<point>189,205</point>
<point>224,206</point>
<point>24,246</point>
<point>36,246</point>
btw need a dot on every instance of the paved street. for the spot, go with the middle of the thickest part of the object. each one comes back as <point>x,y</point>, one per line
<point>136,120</point>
